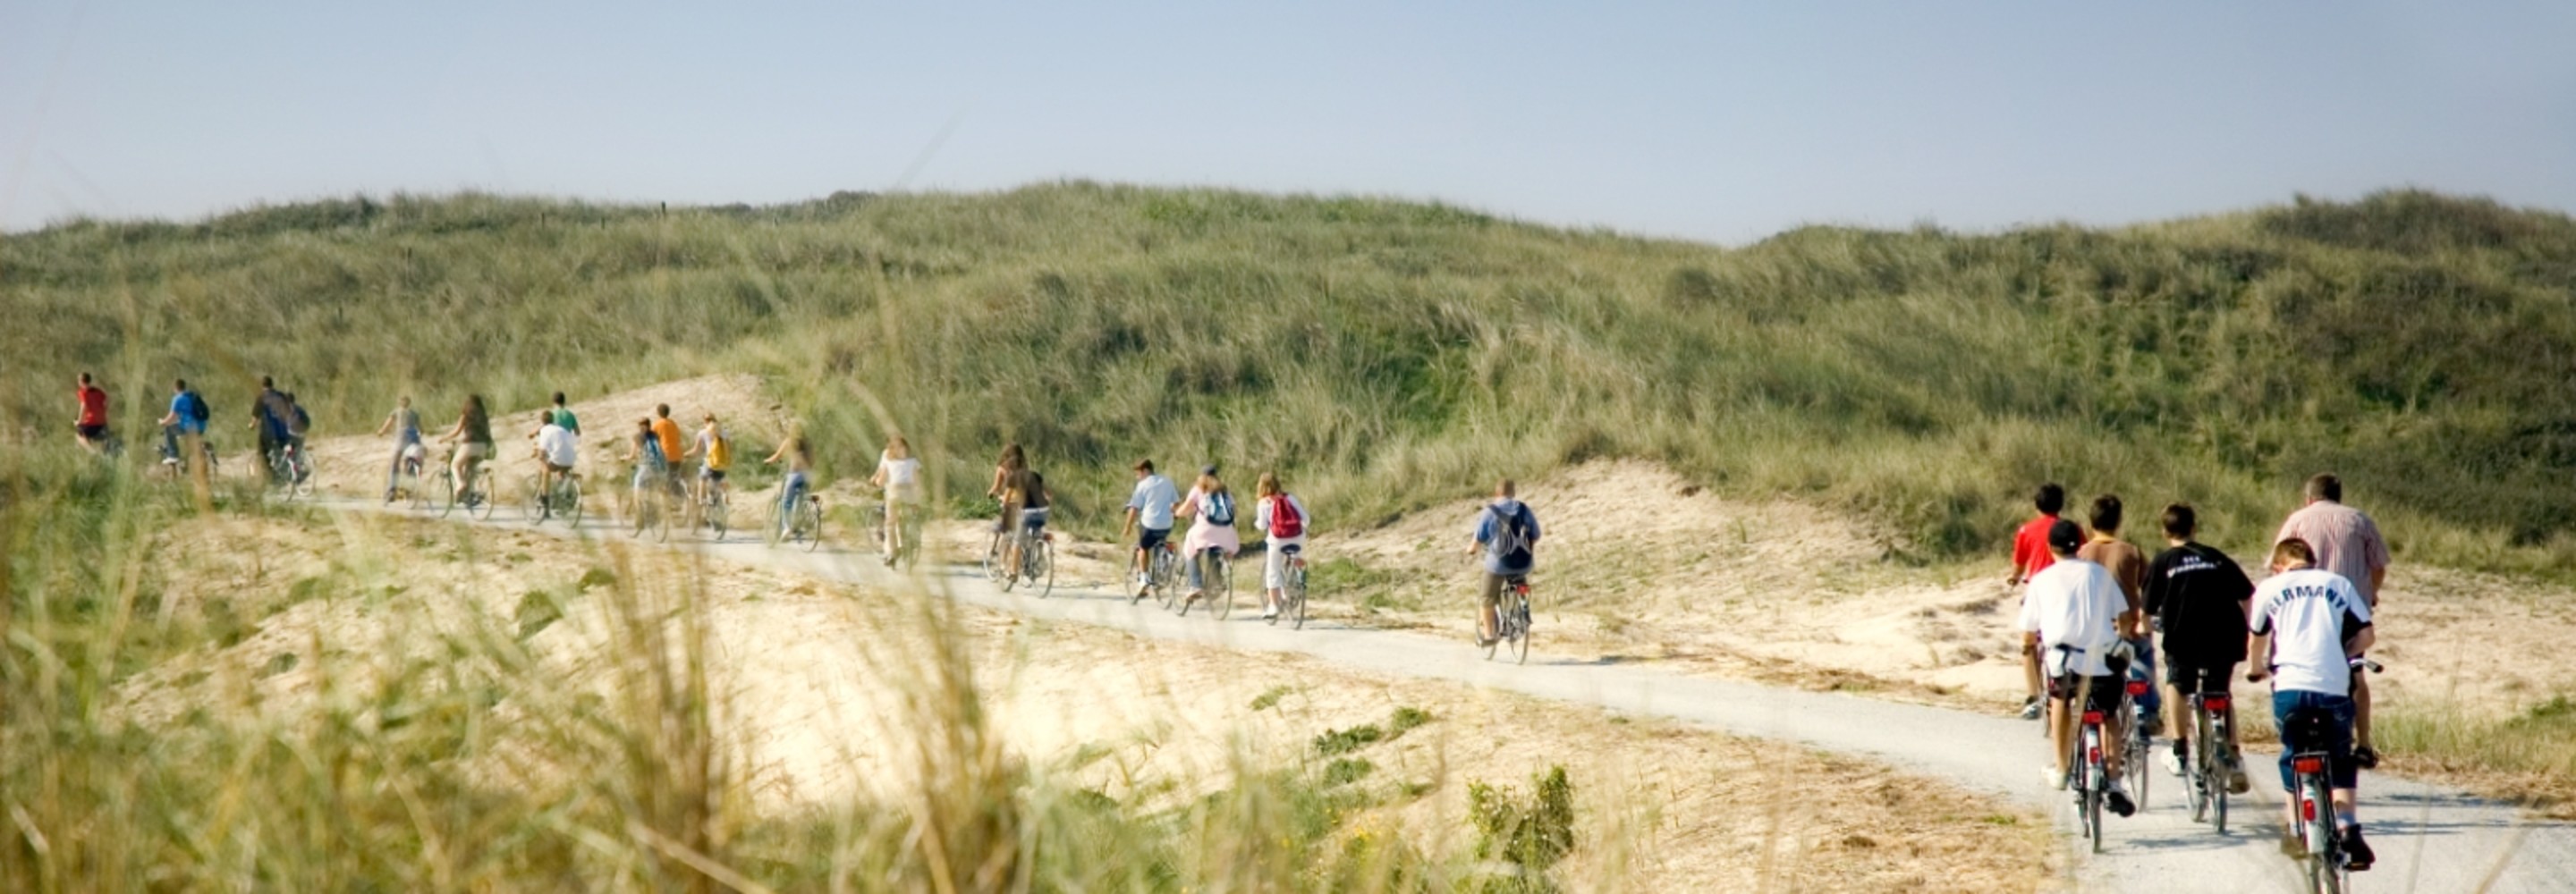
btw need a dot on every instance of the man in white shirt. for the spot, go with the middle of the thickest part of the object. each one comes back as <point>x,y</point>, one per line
<point>2070,615</point>
<point>557,449</point>
<point>1149,516</point>
<point>2307,625</point>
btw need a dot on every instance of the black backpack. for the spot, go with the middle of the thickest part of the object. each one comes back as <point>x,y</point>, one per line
<point>1512,540</point>
<point>198,410</point>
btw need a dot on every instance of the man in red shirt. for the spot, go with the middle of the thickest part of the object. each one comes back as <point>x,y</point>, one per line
<point>92,427</point>
<point>2030,555</point>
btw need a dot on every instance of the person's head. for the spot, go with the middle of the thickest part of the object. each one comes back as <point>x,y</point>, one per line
<point>182,385</point>
<point>1144,467</point>
<point>473,404</point>
<point>662,410</point>
<point>559,398</point>
<point>2326,487</point>
<point>2106,514</point>
<point>403,401</point>
<point>1505,490</point>
<point>1268,486</point>
<point>84,380</point>
<point>2051,499</point>
<point>2292,554</point>
<point>1208,482</point>
<point>266,382</point>
<point>545,419</point>
<point>1013,458</point>
<point>711,421</point>
<point>2181,521</point>
<point>2065,537</point>
<point>290,397</point>
<point>644,424</point>
<point>898,448</point>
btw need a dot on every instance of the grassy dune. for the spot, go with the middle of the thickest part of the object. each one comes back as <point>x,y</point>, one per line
<point>1389,355</point>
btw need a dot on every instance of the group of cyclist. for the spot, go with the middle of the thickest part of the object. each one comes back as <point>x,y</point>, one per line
<point>279,421</point>
<point>2094,605</point>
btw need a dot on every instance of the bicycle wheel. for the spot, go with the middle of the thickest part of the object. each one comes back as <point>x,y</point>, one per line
<point>1295,593</point>
<point>642,511</point>
<point>2138,757</point>
<point>568,502</point>
<point>993,559</point>
<point>306,479</point>
<point>1014,560</point>
<point>1167,576</point>
<point>446,492</point>
<point>1043,577</point>
<point>1520,629</point>
<point>717,506</point>
<point>420,484</point>
<point>481,501</point>
<point>1220,586</point>
<point>876,541</point>
<point>810,515</point>
<point>2217,766</point>
<point>532,499</point>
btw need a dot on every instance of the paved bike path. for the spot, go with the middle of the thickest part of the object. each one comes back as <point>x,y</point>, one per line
<point>2428,839</point>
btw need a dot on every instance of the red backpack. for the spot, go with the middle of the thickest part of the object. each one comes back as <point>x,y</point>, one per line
<point>1285,523</point>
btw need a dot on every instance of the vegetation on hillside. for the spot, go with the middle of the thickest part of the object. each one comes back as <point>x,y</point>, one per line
<point>1387,355</point>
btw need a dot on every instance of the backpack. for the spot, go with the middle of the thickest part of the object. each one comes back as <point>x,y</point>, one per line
<point>1220,509</point>
<point>719,452</point>
<point>197,408</point>
<point>652,457</point>
<point>1285,523</point>
<point>302,423</point>
<point>1511,544</point>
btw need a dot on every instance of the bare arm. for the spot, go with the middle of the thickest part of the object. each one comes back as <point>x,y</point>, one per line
<point>2258,657</point>
<point>2360,642</point>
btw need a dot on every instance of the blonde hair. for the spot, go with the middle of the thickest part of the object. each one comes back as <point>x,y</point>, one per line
<point>1268,486</point>
<point>1209,484</point>
<point>899,448</point>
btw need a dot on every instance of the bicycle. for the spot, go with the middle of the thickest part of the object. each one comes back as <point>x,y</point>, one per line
<point>653,502</point>
<point>171,464</point>
<point>561,499</point>
<point>1216,583</point>
<point>290,471</point>
<point>2136,747</point>
<point>1512,620</point>
<point>1292,592</point>
<point>803,524</point>
<point>2090,779</point>
<point>1163,574</point>
<point>411,476</point>
<point>2210,763</point>
<point>911,551</point>
<point>1036,565</point>
<point>2312,790</point>
<point>714,507</point>
<point>475,495</point>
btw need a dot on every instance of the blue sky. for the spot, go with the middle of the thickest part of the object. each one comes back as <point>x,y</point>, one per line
<point>1715,121</point>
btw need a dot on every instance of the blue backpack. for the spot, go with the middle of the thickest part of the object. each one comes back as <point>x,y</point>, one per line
<point>1220,509</point>
<point>1512,541</point>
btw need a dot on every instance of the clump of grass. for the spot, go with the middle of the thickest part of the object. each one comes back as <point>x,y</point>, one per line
<point>1531,831</point>
<point>1347,770</point>
<point>2528,758</point>
<point>1406,718</point>
<point>1345,741</point>
<point>1270,697</point>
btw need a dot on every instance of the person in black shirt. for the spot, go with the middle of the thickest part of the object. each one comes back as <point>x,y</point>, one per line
<point>2199,597</point>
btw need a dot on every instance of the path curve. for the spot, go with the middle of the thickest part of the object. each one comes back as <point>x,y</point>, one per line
<point>2429,839</point>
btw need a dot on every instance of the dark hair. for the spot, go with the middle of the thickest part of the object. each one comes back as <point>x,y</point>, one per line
<point>2293,551</point>
<point>662,410</point>
<point>1013,458</point>
<point>2050,498</point>
<point>1506,488</point>
<point>1145,465</point>
<point>2325,486</point>
<point>84,378</point>
<point>266,382</point>
<point>2106,513</point>
<point>181,384</point>
<point>2180,521</point>
<point>558,398</point>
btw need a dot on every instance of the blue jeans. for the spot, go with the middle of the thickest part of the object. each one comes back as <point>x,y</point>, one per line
<point>2151,704</point>
<point>2338,734</point>
<point>794,491</point>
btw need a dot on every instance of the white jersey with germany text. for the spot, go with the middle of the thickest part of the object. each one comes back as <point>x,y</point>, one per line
<point>2309,613</point>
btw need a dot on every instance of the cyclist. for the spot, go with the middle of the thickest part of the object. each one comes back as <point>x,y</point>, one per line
<point>668,429</point>
<point>2346,542</point>
<point>2070,616</point>
<point>2198,595</point>
<point>473,439</point>
<point>297,423</point>
<point>2128,566</point>
<point>2029,556</point>
<point>2308,625</point>
<point>899,475</point>
<point>714,452</point>
<point>1149,517</point>
<point>1281,517</point>
<point>1025,497</point>
<point>1507,533</point>
<point>557,452</point>
<point>799,457</point>
<point>652,466</point>
<point>563,416</point>
<point>183,429</point>
<point>269,414</point>
<point>91,428</point>
<point>1211,510</point>
<point>404,422</point>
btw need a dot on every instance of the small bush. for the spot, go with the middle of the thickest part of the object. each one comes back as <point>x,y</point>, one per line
<point>1347,770</point>
<point>1345,741</point>
<point>1270,698</point>
<point>1534,831</point>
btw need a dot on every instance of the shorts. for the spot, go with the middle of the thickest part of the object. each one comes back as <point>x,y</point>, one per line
<point>1149,538</point>
<point>1494,585</point>
<point>2342,771</point>
<point>2196,679</point>
<point>1034,520</point>
<point>2103,697</point>
<point>646,475</point>
<point>559,470</point>
<point>714,475</point>
<point>91,432</point>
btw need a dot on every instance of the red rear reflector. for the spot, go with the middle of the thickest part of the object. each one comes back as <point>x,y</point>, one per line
<point>2092,716</point>
<point>1048,536</point>
<point>2307,765</point>
<point>2308,809</point>
<point>2215,702</point>
<point>2137,687</point>
<point>2093,755</point>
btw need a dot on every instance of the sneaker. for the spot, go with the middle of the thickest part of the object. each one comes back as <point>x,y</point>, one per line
<point>2117,799</point>
<point>2030,708</point>
<point>1269,613</point>
<point>2173,761</point>
<point>2237,784</point>
<point>2293,846</point>
<point>2356,852</point>
<point>2053,778</point>
<point>2365,757</point>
